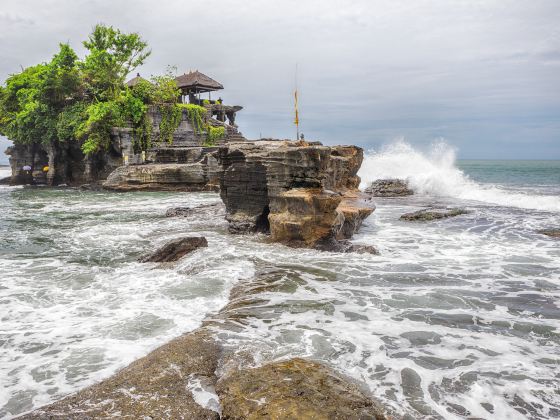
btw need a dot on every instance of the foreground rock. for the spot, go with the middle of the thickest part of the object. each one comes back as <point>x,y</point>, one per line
<point>432,214</point>
<point>553,233</point>
<point>152,387</point>
<point>160,385</point>
<point>293,389</point>
<point>389,188</point>
<point>302,194</point>
<point>176,249</point>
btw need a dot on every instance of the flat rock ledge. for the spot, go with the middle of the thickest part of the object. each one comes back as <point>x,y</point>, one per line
<point>199,176</point>
<point>175,250</point>
<point>432,214</point>
<point>389,188</point>
<point>553,233</point>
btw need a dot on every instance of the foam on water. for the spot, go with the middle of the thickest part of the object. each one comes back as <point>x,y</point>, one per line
<point>456,318</point>
<point>435,173</point>
<point>75,304</point>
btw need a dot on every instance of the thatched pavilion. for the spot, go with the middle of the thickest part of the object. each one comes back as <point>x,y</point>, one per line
<point>134,81</point>
<point>193,83</point>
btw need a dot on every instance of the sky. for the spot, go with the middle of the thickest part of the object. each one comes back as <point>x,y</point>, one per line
<point>483,75</point>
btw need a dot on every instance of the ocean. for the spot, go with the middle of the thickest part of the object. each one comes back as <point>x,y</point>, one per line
<point>456,318</point>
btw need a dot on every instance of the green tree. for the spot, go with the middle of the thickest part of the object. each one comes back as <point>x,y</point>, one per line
<point>112,56</point>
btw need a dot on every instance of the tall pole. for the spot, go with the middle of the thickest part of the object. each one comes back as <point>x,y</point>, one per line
<point>296,120</point>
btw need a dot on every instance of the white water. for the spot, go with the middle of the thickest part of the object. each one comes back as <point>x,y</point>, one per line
<point>435,174</point>
<point>468,304</point>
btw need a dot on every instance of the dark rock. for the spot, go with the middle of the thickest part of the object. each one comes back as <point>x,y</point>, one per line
<point>553,233</point>
<point>178,212</point>
<point>334,245</point>
<point>293,389</point>
<point>301,193</point>
<point>189,211</point>
<point>6,181</point>
<point>389,188</point>
<point>364,249</point>
<point>91,187</point>
<point>176,249</point>
<point>432,214</point>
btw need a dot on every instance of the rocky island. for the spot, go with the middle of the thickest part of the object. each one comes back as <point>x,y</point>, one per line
<point>160,135</point>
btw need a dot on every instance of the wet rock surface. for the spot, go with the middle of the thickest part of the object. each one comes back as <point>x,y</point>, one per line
<point>389,188</point>
<point>332,245</point>
<point>176,249</point>
<point>197,210</point>
<point>293,389</point>
<point>553,233</point>
<point>302,193</point>
<point>427,215</point>
<point>152,387</point>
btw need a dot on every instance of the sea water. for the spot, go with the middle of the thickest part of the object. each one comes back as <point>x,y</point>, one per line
<point>456,318</point>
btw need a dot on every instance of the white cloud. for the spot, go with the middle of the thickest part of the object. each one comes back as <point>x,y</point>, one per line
<point>369,69</point>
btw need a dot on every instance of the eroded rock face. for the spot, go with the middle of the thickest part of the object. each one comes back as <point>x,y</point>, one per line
<point>176,249</point>
<point>432,214</point>
<point>299,192</point>
<point>199,176</point>
<point>293,389</point>
<point>389,188</point>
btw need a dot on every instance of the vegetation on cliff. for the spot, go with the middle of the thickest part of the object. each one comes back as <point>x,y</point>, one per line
<point>71,99</point>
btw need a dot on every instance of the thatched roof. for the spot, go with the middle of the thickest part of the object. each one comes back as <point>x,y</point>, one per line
<point>134,81</point>
<point>197,81</point>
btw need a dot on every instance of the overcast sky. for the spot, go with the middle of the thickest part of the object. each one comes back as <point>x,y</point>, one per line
<point>482,74</point>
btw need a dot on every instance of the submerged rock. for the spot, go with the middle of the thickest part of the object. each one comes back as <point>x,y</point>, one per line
<point>176,249</point>
<point>553,233</point>
<point>432,214</point>
<point>189,211</point>
<point>293,389</point>
<point>389,188</point>
<point>333,245</point>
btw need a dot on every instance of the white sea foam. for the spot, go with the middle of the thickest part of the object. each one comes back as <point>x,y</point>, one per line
<point>435,173</point>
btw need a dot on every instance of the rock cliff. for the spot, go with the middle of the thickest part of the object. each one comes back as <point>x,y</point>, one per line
<point>304,194</point>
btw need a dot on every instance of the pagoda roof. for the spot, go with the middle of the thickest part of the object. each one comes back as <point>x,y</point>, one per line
<point>134,81</point>
<point>197,81</point>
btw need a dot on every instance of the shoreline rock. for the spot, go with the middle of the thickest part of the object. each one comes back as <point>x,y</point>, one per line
<point>175,250</point>
<point>552,233</point>
<point>389,188</point>
<point>427,215</point>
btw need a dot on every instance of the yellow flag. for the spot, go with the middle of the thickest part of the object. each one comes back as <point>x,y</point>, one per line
<point>296,121</point>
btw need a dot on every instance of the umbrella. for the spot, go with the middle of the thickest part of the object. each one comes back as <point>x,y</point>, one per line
<point>26,168</point>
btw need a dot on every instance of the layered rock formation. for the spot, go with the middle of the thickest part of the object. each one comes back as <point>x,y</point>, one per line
<point>198,171</point>
<point>303,194</point>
